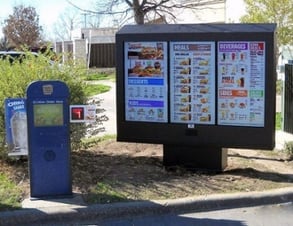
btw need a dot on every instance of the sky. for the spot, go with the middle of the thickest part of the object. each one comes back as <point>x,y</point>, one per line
<point>50,10</point>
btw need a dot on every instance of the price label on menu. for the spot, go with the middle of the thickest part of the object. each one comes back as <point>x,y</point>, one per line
<point>192,82</point>
<point>146,81</point>
<point>241,83</point>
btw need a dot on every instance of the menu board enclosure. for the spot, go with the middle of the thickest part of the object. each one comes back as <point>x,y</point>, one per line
<point>214,88</point>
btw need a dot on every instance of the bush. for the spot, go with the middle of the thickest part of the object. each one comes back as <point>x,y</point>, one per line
<point>17,76</point>
<point>10,194</point>
<point>279,87</point>
<point>289,150</point>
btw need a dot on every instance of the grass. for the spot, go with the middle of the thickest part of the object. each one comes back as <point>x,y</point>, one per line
<point>94,75</point>
<point>10,194</point>
<point>289,150</point>
<point>97,76</point>
<point>105,192</point>
<point>95,89</point>
<point>278,121</point>
<point>90,142</point>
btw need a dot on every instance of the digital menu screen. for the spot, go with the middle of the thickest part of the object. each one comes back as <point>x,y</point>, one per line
<point>196,90</point>
<point>241,83</point>
<point>146,85</point>
<point>48,115</point>
<point>192,82</point>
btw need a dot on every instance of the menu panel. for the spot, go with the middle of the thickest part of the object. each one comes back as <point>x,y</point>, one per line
<point>241,83</point>
<point>146,81</point>
<point>192,82</point>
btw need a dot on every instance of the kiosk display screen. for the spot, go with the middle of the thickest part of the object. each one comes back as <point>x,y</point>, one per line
<point>48,115</point>
<point>146,97</point>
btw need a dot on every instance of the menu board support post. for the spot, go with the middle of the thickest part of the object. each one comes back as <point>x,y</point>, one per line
<point>195,158</point>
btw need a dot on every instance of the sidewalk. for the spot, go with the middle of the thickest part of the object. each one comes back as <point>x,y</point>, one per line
<point>108,102</point>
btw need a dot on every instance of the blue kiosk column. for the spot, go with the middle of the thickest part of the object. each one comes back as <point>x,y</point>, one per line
<point>48,139</point>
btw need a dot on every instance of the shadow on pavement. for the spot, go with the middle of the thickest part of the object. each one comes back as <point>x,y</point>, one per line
<point>144,213</point>
<point>170,220</point>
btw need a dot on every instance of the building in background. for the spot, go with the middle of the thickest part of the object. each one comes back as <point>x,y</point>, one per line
<point>95,47</point>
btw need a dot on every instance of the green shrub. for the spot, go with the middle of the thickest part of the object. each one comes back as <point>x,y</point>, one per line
<point>17,76</point>
<point>279,87</point>
<point>288,148</point>
<point>278,120</point>
<point>10,194</point>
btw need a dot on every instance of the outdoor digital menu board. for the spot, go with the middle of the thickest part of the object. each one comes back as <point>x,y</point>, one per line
<point>197,85</point>
<point>241,83</point>
<point>146,81</point>
<point>192,82</point>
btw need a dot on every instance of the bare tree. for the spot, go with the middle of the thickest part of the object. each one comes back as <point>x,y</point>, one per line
<point>22,28</point>
<point>66,22</point>
<point>72,19</point>
<point>145,10</point>
<point>4,45</point>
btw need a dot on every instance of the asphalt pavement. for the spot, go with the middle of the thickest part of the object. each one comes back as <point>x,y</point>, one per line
<point>73,209</point>
<point>67,212</point>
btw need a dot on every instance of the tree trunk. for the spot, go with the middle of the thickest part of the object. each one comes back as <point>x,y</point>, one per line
<point>139,18</point>
<point>138,12</point>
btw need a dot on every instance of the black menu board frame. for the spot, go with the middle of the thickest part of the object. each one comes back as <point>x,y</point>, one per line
<point>247,86</point>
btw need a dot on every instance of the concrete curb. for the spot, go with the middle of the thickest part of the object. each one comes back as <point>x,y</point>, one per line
<point>75,213</point>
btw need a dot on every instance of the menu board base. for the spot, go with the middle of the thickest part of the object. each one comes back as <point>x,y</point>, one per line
<point>195,158</point>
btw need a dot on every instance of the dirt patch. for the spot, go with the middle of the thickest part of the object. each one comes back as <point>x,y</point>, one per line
<point>113,171</point>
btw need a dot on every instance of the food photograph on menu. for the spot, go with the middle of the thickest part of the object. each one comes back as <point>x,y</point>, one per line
<point>241,83</point>
<point>146,81</point>
<point>192,82</point>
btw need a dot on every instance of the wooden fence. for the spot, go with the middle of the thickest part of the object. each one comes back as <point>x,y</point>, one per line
<point>288,99</point>
<point>102,55</point>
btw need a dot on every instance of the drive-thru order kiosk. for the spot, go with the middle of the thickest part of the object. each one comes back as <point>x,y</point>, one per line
<point>48,139</point>
<point>197,89</point>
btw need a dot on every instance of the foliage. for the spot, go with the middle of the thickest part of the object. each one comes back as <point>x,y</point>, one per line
<point>105,192</point>
<point>272,11</point>
<point>22,28</point>
<point>17,76</point>
<point>93,141</point>
<point>279,87</point>
<point>278,120</point>
<point>10,194</point>
<point>289,150</point>
<point>91,90</point>
<point>100,76</point>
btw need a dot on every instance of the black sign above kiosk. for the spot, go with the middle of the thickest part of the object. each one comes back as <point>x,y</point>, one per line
<point>197,85</point>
